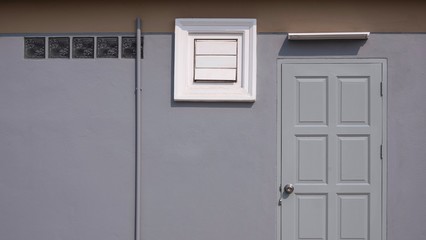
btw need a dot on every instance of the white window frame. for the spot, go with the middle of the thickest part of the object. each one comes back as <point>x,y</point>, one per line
<point>186,31</point>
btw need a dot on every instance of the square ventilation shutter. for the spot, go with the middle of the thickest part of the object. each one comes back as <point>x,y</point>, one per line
<point>215,60</point>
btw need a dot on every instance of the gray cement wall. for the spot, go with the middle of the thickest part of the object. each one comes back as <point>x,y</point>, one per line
<point>209,170</point>
<point>66,147</point>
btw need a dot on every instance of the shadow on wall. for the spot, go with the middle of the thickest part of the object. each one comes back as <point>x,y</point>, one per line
<point>321,48</point>
<point>211,104</point>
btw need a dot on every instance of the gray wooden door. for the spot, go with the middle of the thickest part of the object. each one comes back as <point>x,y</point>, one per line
<point>331,143</point>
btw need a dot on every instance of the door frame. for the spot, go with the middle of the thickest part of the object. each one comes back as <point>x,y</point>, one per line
<point>331,60</point>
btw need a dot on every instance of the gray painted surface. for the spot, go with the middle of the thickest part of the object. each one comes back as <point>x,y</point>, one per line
<point>66,147</point>
<point>331,135</point>
<point>406,213</point>
<point>209,170</point>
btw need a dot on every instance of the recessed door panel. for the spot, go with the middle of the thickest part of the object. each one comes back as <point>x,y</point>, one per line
<point>312,217</point>
<point>311,100</point>
<point>353,216</point>
<point>331,136</point>
<point>354,100</point>
<point>353,159</point>
<point>312,159</point>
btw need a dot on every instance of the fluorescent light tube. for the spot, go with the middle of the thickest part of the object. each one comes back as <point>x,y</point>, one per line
<point>329,36</point>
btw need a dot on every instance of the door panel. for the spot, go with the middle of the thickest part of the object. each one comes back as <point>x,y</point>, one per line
<point>353,100</point>
<point>311,159</point>
<point>330,149</point>
<point>311,216</point>
<point>353,216</point>
<point>311,100</point>
<point>353,159</point>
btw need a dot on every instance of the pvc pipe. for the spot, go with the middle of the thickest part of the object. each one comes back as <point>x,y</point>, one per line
<point>138,130</point>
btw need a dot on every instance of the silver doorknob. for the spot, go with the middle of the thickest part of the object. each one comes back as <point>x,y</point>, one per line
<point>289,188</point>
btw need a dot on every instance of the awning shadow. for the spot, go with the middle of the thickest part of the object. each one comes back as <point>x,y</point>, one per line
<point>321,47</point>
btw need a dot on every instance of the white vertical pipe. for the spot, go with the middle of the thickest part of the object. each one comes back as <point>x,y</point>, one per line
<point>138,130</point>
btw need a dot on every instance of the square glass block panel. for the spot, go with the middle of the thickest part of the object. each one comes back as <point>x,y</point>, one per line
<point>34,47</point>
<point>215,60</point>
<point>107,47</point>
<point>128,47</point>
<point>59,47</point>
<point>83,47</point>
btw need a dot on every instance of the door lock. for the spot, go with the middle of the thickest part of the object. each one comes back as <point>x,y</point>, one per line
<point>289,188</point>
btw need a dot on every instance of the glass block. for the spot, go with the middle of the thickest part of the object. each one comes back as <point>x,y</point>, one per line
<point>35,47</point>
<point>128,47</point>
<point>107,47</point>
<point>83,47</point>
<point>59,47</point>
